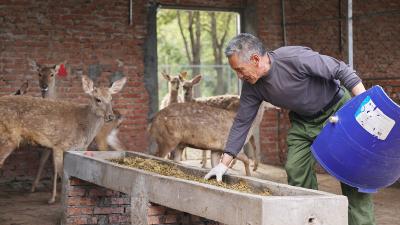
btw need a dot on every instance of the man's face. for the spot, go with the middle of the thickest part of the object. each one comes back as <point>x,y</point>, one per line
<point>246,71</point>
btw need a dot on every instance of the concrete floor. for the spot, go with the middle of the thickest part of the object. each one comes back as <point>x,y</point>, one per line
<point>19,207</point>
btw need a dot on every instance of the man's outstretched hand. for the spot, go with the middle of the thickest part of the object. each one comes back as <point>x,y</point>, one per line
<point>217,171</point>
<point>220,169</point>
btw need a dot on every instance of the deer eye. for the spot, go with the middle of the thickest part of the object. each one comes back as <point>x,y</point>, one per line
<point>98,100</point>
<point>52,75</point>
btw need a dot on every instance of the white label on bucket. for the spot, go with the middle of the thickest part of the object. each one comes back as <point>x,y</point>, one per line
<point>373,120</point>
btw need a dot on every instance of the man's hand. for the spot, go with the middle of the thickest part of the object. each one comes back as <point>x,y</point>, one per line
<point>220,169</point>
<point>217,171</point>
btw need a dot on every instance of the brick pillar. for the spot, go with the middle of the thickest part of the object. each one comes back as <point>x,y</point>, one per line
<point>87,203</point>
<point>158,214</point>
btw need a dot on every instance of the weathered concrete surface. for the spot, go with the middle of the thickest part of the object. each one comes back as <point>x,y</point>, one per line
<point>289,205</point>
<point>139,201</point>
<point>19,207</point>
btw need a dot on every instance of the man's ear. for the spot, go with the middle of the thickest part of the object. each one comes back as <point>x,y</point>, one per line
<point>255,59</point>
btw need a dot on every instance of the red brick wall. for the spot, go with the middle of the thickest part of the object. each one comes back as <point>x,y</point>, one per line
<point>85,33</point>
<point>316,24</point>
<point>87,203</point>
<point>158,214</point>
<point>95,33</point>
<point>88,34</point>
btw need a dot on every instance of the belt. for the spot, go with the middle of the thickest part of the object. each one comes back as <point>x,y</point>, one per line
<point>339,94</point>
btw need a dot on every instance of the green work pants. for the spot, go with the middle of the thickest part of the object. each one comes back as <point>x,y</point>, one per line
<point>300,165</point>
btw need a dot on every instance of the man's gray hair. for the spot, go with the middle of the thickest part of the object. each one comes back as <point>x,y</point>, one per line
<point>245,45</point>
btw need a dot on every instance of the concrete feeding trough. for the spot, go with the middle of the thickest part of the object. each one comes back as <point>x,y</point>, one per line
<point>287,205</point>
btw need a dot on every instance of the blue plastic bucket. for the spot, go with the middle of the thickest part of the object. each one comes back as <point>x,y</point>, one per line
<point>363,148</point>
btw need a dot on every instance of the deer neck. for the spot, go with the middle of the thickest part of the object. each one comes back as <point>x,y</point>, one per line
<point>51,92</point>
<point>173,96</point>
<point>94,122</point>
<point>188,97</point>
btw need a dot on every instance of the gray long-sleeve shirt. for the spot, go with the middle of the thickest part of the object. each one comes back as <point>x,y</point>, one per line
<point>299,79</point>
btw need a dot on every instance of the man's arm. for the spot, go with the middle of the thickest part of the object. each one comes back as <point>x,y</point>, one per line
<point>248,108</point>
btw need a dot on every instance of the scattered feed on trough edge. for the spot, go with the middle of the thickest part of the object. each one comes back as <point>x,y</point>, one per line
<point>172,171</point>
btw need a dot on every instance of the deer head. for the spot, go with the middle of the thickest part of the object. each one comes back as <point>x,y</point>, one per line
<point>174,81</point>
<point>47,77</point>
<point>188,87</point>
<point>100,98</point>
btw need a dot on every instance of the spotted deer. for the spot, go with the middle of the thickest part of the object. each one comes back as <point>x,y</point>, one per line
<point>231,103</point>
<point>228,102</point>
<point>47,76</point>
<point>55,124</point>
<point>193,124</point>
<point>187,86</point>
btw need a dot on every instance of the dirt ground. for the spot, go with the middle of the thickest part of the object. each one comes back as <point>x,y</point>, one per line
<point>19,207</point>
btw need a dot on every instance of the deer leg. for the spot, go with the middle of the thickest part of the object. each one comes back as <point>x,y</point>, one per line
<point>215,156</point>
<point>184,154</point>
<point>178,153</point>
<point>58,165</point>
<point>165,148</point>
<point>243,157</point>
<point>7,146</point>
<point>45,155</point>
<point>171,155</point>
<point>204,159</point>
<point>256,152</point>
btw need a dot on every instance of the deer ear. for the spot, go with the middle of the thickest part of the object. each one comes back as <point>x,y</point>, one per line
<point>196,79</point>
<point>166,76</point>
<point>117,86</point>
<point>87,84</point>
<point>24,87</point>
<point>182,76</point>
<point>33,65</point>
<point>57,68</point>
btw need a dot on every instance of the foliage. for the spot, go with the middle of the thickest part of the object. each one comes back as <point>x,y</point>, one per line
<point>172,54</point>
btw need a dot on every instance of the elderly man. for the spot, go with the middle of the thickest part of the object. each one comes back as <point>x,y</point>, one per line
<point>309,85</point>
